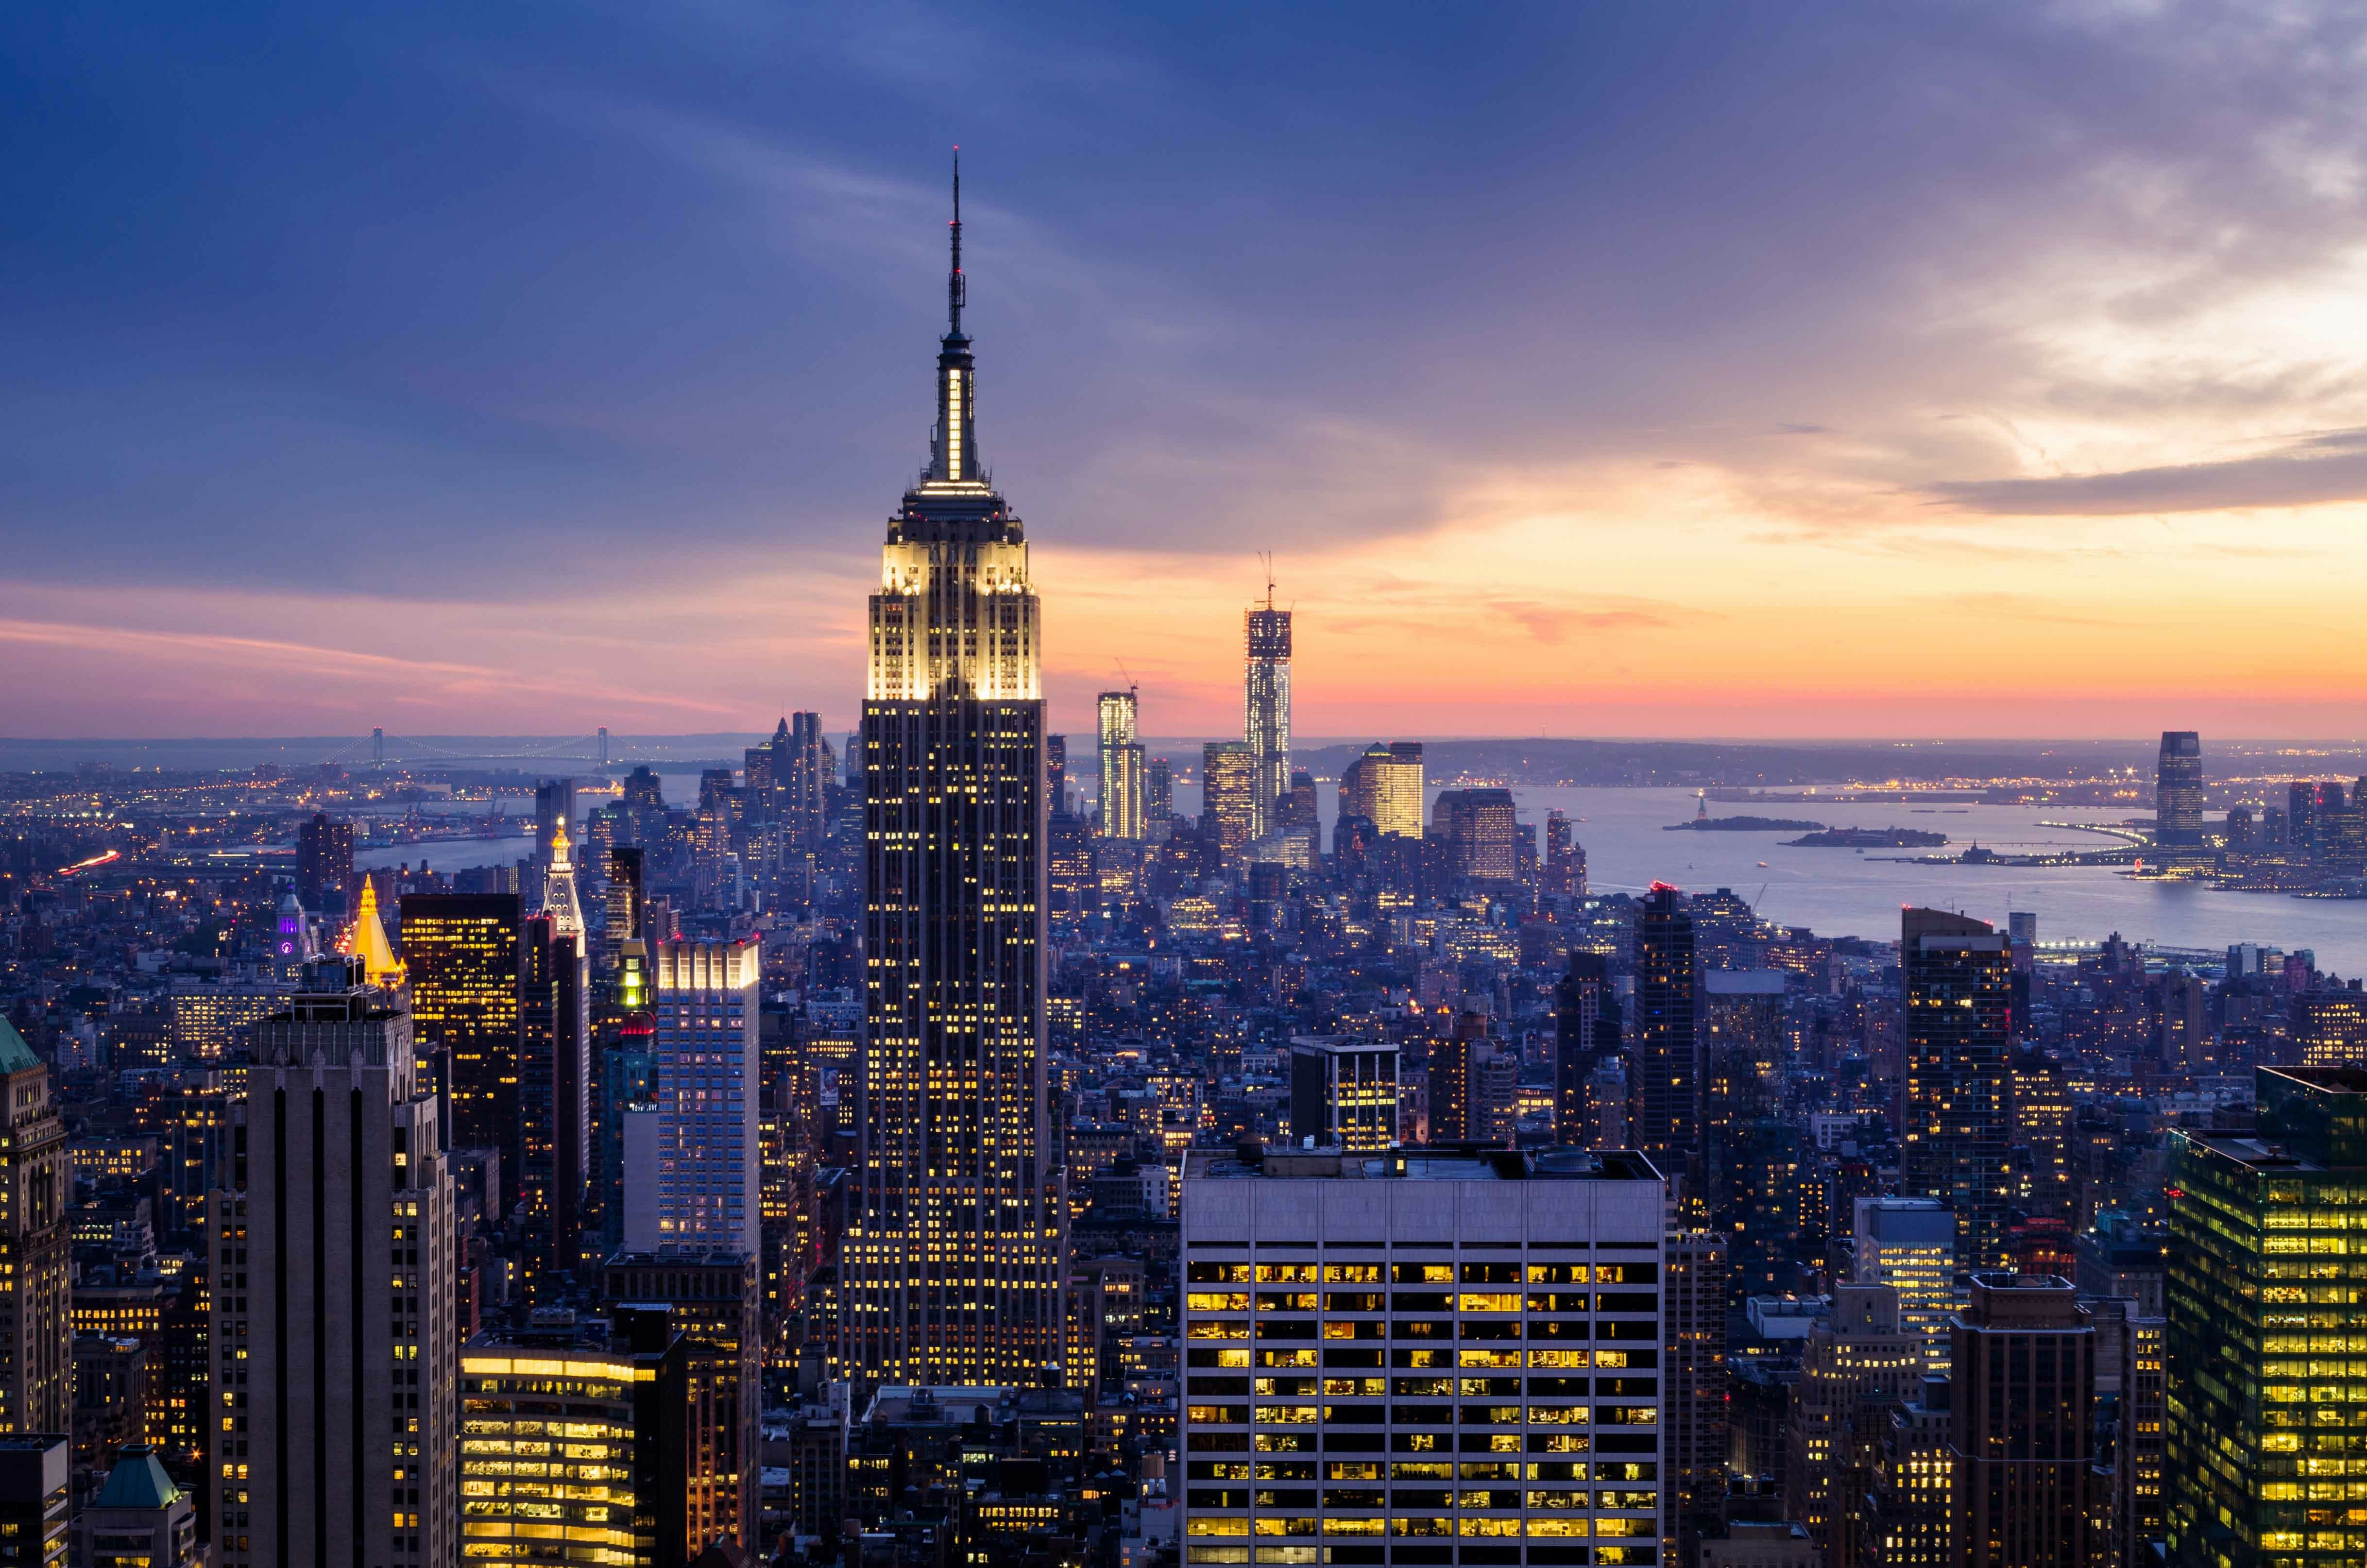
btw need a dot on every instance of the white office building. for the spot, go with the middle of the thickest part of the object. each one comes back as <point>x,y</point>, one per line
<point>1422,1357</point>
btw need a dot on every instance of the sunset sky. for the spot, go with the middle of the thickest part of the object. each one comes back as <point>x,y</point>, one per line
<point>1617,369</point>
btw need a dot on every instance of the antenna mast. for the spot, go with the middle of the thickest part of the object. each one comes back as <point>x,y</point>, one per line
<point>957,295</point>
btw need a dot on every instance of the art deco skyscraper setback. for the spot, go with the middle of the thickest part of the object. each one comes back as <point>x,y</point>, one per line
<point>1265,706</point>
<point>335,1329</point>
<point>950,1263</point>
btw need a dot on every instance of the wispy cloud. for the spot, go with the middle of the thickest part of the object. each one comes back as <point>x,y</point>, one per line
<point>2326,468</point>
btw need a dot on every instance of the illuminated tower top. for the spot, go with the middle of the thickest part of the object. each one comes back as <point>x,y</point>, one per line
<point>955,616</point>
<point>558,899</point>
<point>366,941</point>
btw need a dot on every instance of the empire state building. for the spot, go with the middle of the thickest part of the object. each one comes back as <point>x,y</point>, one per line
<point>951,1260</point>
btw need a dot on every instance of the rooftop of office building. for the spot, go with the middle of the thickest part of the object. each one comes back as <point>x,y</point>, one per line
<point>1450,1162</point>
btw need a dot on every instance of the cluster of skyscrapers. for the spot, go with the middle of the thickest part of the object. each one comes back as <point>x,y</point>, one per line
<point>1172,1190</point>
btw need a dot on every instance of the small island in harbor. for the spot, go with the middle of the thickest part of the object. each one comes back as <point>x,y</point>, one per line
<point>1869,838</point>
<point>1744,825</point>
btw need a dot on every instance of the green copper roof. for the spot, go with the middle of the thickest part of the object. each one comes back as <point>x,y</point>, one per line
<point>15,1056</point>
<point>137,1482</point>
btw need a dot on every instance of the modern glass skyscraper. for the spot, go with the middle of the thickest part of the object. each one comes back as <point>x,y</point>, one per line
<point>1230,781</point>
<point>1956,1108</point>
<point>950,1264</point>
<point>1265,706</point>
<point>1122,778</point>
<point>2178,790</point>
<point>2268,1433</point>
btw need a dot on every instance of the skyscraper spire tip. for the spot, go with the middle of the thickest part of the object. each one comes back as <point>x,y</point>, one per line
<point>956,295</point>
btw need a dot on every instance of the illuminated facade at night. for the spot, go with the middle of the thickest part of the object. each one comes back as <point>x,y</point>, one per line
<point>951,1261</point>
<point>461,952</point>
<point>1265,706</point>
<point>1122,767</point>
<point>1956,1098</point>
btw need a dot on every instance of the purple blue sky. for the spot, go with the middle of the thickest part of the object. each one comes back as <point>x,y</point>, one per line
<point>1750,370</point>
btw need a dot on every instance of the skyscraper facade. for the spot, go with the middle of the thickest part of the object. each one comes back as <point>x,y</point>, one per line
<point>1265,706</point>
<point>36,1294</point>
<point>2263,1338</point>
<point>1956,1110</point>
<point>324,860</point>
<point>1479,832</point>
<point>1385,787</point>
<point>951,1265</point>
<point>463,953</point>
<point>2178,790</point>
<point>335,1324</point>
<point>555,1077</point>
<point>1229,780</point>
<point>1122,778</point>
<point>703,1191</point>
<point>2023,1424</point>
<point>1490,1332</point>
<point>1665,1063</point>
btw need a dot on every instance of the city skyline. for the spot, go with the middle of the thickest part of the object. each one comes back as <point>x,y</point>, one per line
<point>2029,339</point>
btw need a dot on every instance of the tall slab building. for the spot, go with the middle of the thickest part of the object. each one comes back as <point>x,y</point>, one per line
<point>950,1266</point>
<point>1955,1100</point>
<point>334,1326</point>
<point>1265,706</point>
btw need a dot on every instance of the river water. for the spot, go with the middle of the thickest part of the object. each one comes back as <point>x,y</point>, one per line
<point>1835,893</point>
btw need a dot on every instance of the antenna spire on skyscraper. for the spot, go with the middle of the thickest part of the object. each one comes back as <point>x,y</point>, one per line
<point>955,293</point>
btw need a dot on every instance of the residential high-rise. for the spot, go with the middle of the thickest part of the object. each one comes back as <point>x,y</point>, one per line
<point>1385,787</point>
<point>2326,1027</point>
<point>1956,1100</point>
<point>1486,1325</point>
<point>811,766</point>
<point>1343,1093</point>
<point>700,1186</point>
<point>1228,786</point>
<point>1265,708</point>
<point>1664,1059</point>
<point>1122,763</point>
<point>1453,1071</point>
<point>463,953</point>
<point>1694,1299</point>
<point>334,1323</point>
<point>1585,1031</point>
<point>1912,1507</point>
<point>2022,1429</point>
<point>951,1265</point>
<point>1159,796</point>
<point>324,860</point>
<point>2261,1333</point>
<point>36,1295</point>
<point>2178,790</point>
<point>1565,866</point>
<point>625,902</point>
<point>1858,1363</point>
